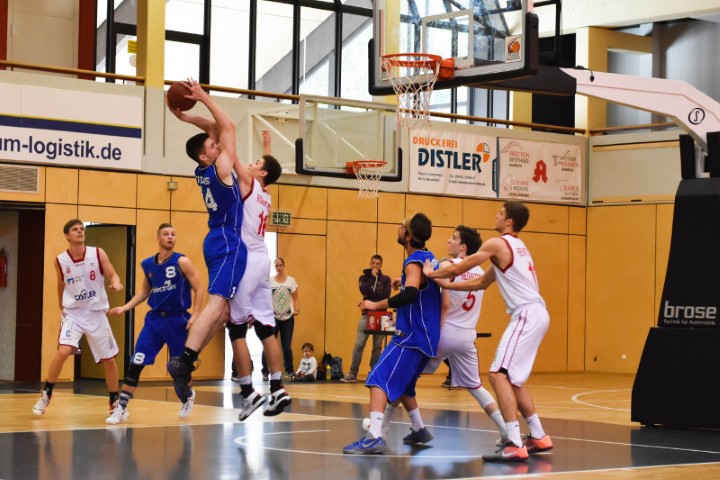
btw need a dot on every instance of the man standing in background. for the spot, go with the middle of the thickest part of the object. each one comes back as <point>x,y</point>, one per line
<point>374,286</point>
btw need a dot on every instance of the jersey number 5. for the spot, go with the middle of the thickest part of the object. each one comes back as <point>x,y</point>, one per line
<point>469,301</point>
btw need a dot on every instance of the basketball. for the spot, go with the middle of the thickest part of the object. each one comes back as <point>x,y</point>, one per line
<point>176,97</point>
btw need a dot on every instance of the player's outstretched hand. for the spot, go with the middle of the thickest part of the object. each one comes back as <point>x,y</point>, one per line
<point>428,268</point>
<point>117,286</point>
<point>116,311</point>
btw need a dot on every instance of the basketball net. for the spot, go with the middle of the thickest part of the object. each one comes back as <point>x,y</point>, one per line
<point>368,173</point>
<point>413,77</point>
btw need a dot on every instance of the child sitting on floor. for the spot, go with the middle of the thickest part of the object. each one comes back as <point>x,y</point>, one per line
<point>307,371</point>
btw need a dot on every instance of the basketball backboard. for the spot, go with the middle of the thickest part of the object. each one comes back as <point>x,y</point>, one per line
<point>335,131</point>
<point>488,39</point>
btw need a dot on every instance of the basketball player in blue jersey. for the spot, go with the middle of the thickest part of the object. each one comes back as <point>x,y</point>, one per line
<point>169,278</point>
<point>253,303</point>
<point>225,254</point>
<point>393,378</point>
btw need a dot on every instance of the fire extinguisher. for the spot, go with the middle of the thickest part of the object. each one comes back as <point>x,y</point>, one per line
<point>3,268</point>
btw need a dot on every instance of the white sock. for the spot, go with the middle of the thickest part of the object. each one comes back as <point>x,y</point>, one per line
<point>536,429</point>
<point>276,376</point>
<point>376,420</point>
<point>513,433</point>
<point>416,419</point>
<point>389,412</point>
<point>246,380</point>
<point>497,417</point>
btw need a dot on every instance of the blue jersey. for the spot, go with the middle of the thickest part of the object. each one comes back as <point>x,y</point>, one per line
<point>419,323</point>
<point>223,202</point>
<point>169,289</point>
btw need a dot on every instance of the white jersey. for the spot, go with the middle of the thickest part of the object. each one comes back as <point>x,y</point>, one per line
<point>256,209</point>
<point>464,309</point>
<point>518,282</point>
<point>84,281</point>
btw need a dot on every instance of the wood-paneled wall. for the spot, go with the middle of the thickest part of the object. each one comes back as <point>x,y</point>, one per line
<point>600,269</point>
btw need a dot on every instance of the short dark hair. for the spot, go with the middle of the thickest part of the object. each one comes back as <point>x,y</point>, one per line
<point>273,168</point>
<point>307,345</point>
<point>470,238</point>
<point>195,146</point>
<point>70,224</point>
<point>517,212</point>
<point>378,257</point>
<point>164,225</point>
<point>421,228</point>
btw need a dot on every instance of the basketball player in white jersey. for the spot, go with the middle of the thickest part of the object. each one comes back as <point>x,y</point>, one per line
<point>81,272</point>
<point>252,305</point>
<point>460,314</point>
<point>514,270</point>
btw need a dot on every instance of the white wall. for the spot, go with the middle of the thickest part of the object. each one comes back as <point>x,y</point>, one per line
<point>8,296</point>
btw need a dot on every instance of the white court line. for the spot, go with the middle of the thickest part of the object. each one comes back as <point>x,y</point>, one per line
<point>240,441</point>
<point>576,398</point>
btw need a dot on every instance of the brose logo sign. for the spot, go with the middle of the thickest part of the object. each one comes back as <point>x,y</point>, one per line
<point>689,315</point>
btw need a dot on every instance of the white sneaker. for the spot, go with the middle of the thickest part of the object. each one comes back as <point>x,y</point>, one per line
<point>187,407</point>
<point>118,415</point>
<point>41,404</point>
<point>250,404</point>
<point>277,401</point>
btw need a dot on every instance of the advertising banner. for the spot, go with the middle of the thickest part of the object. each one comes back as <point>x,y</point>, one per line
<point>66,127</point>
<point>452,163</point>
<point>540,171</point>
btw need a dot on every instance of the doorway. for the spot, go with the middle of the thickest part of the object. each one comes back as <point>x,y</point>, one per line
<point>118,242</point>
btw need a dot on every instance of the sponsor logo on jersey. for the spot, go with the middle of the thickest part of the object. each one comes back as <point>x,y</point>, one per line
<point>85,295</point>
<point>202,180</point>
<point>167,286</point>
<point>73,280</point>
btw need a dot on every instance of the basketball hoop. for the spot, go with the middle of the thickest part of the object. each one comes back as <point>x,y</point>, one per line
<point>413,77</point>
<point>368,173</point>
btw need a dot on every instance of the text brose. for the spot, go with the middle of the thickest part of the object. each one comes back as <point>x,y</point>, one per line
<point>689,312</point>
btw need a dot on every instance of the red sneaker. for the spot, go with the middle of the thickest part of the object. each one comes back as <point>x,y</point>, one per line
<point>508,453</point>
<point>534,445</point>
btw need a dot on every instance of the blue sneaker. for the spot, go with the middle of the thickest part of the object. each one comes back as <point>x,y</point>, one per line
<point>366,445</point>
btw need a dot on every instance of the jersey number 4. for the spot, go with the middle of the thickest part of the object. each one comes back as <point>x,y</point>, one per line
<point>210,201</point>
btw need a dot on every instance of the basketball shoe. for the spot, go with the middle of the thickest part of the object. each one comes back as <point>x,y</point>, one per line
<point>118,415</point>
<point>187,407</point>
<point>509,452</point>
<point>534,445</point>
<point>366,445</point>
<point>277,401</point>
<point>41,404</point>
<point>250,404</point>
<point>421,436</point>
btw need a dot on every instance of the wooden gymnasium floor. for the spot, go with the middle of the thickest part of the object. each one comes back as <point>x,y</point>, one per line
<point>588,416</point>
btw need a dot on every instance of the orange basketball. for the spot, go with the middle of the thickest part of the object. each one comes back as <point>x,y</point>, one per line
<point>176,97</point>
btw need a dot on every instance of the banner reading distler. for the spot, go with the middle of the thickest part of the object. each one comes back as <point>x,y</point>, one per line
<point>540,171</point>
<point>67,127</point>
<point>454,163</point>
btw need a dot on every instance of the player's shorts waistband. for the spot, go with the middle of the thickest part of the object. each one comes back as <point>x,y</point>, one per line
<point>165,314</point>
<point>527,306</point>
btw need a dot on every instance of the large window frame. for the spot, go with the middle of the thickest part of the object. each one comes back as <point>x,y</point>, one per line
<point>115,30</point>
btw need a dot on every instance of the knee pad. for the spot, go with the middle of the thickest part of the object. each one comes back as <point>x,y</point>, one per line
<point>132,376</point>
<point>236,331</point>
<point>263,331</point>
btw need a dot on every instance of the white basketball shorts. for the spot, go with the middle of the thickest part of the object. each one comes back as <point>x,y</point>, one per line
<point>94,324</point>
